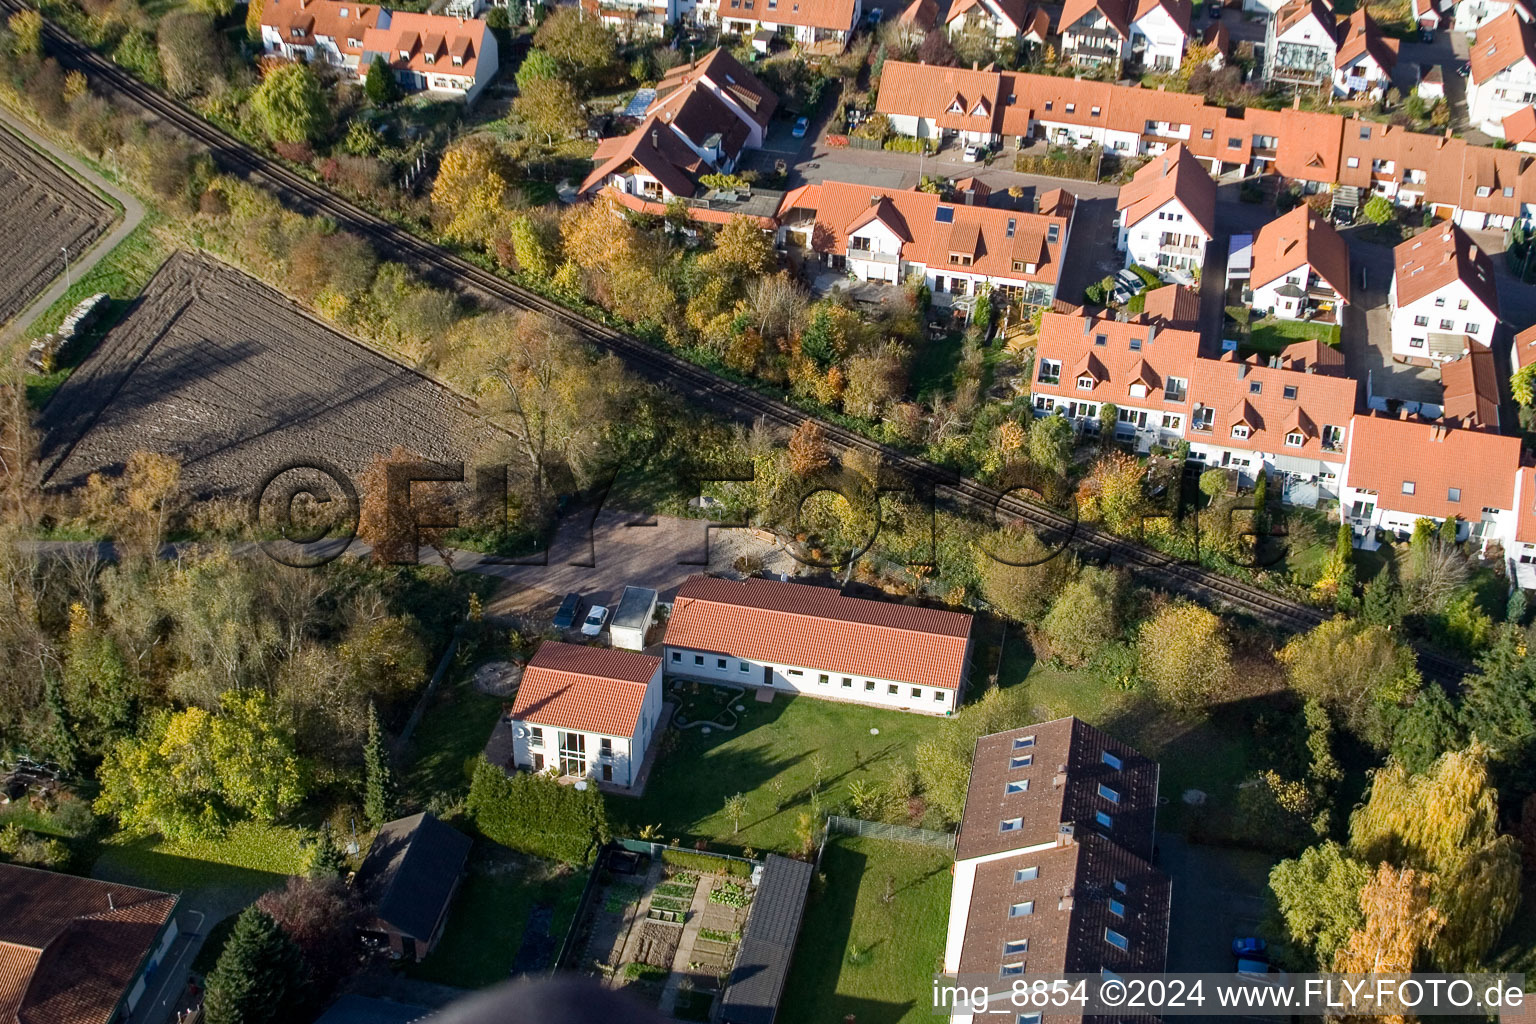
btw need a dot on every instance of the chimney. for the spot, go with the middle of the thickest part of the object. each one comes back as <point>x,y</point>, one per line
<point>1151,333</point>
<point>975,65</point>
<point>1065,903</point>
<point>1064,835</point>
<point>1472,251</point>
<point>1296,103</point>
<point>655,139</point>
<point>1061,777</point>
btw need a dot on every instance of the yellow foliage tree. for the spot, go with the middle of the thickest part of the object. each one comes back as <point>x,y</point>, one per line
<point>471,190</point>
<point>1399,922</point>
<point>1183,652</point>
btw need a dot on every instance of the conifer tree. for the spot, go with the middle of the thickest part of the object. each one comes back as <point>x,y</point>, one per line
<point>379,783</point>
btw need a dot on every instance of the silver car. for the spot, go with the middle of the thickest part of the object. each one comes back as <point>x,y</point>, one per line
<point>596,618</point>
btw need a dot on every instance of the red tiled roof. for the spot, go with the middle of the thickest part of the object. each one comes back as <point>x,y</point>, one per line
<point>1301,237</point>
<point>1525,348</point>
<point>702,214</point>
<point>1445,253</point>
<point>1471,390</point>
<point>1520,126</point>
<point>338,21</point>
<point>1360,35</point>
<point>922,13</point>
<point>905,88</point>
<point>829,14</point>
<point>70,948</point>
<point>1176,174</point>
<point>818,628</point>
<point>1294,13</point>
<point>1116,366</point>
<point>995,239</point>
<point>1501,44</point>
<point>655,147</point>
<point>419,35</point>
<point>1178,10</point>
<point>1385,453</point>
<point>1172,305</point>
<point>1015,12</point>
<point>1274,401</point>
<point>1114,12</point>
<point>1525,515</point>
<point>595,689</point>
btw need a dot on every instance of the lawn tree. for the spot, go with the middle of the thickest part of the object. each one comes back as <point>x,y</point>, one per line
<point>380,86</point>
<point>191,53</point>
<point>1084,616</point>
<point>378,779</point>
<point>1379,209</point>
<point>741,250</point>
<point>214,9</point>
<point>585,50</point>
<point>1318,896</point>
<point>1050,443</point>
<point>291,104</point>
<point>735,809</point>
<point>1183,652</point>
<point>551,107</point>
<point>320,916</point>
<point>260,977</point>
<point>808,450</point>
<point>875,379</point>
<point>26,33</point>
<point>1357,671</point>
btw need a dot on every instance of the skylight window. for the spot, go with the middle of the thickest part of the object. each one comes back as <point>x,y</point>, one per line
<point>1021,742</point>
<point>1111,760</point>
<point>944,215</point>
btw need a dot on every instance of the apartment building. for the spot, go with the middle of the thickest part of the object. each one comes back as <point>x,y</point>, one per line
<point>1168,215</point>
<point>1443,297</point>
<point>1301,44</point>
<point>1502,75</point>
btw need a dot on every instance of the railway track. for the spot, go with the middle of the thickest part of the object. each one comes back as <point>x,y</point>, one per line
<point>734,399</point>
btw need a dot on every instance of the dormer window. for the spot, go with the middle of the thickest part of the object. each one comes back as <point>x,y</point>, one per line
<point>960,259</point>
<point>354,44</point>
<point>1483,191</point>
<point>431,58</point>
<point>405,54</point>
<point>458,61</point>
<point>1018,266</point>
<point>1294,439</point>
<point>1240,431</point>
<point>1094,112</point>
<point>955,107</point>
<point>1071,108</point>
<point>1085,383</point>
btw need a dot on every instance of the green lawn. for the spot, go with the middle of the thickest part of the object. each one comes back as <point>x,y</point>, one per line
<point>933,368</point>
<point>860,957</point>
<point>1271,334</point>
<point>451,734</point>
<point>236,869</point>
<point>689,787</point>
<point>485,927</point>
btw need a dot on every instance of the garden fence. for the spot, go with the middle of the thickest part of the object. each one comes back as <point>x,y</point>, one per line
<point>564,958</point>
<point>427,694</point>
<point>838,825</point>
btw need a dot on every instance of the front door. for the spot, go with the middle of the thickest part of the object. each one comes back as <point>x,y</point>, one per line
<point>538,762</point>
<point>607,773</point>
<point>573,753</point>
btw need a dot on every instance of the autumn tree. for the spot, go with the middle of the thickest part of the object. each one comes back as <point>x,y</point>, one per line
<point>1112,493</point>
<point>398,513</point>
<point>808,451</point>
<point>1183,652</point>
<point>1399,923</point>
<point>1051,439</point>
<point>139,507</point>
<point>26,33</point>
<point>290,104</point>
<point>1020,572</point>
<point>584,49</point>
<point>875,380</point>
<point>320,916</point>
<point>253,12</point>
<point>742,250</point>
<point>536,65</point>
<point>1357,671</point>
<point>943,761</point>
<point>470,191</point>
<point>1085,616</point>
<point>551,107</point>
<point>736,809</point>
<point>99,688</point>
<point>191,53</point>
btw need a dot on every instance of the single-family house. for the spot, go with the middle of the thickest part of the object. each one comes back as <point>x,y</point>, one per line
<point>1301,44</point>
<point>821,26</point>
<point>1095,32</point>
<point>1502,71</point>
<point>586,712</point>
<point>1168,214</point>
<point>960,250</point>
<point>1052,868</point>
<point>408,881</point>
<point>720,74</point>
<point>1085,363</point>
<point>1472,15</point>
<point>320,31</point>
<point>920,14</point>
<point>1286,416</point>
<point>1300,268</point>
<point>1398,470</point>
<point>1520,545</point>
<point>75,950</point>
<point>448,58</point>
<point>1443,297</point>
<point>1431,15</point>
<point>1159,33</point>
<point>1366,59</point>
<point>1470,391</point>
<point>813,640</point>
<point>1001,19</point>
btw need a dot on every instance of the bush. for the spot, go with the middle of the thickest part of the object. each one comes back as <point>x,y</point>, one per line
<point>645,972</point>
<point>537,815</point>
<point>1378,210</point>
<point>902,144</point>
<point>706,863</point>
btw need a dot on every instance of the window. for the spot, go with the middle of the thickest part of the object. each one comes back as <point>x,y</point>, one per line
<point>1240,431</point>
<point>1016,786</point>
<point>1027,1018</point>
<point>1018,761</point>
<point>1119,885</point>
<point>1015,947</point>
<point>1255,387</point>
<point>1010,825</point>
<point>535,736</point>
<point>1021,742</point>
<point>1353,161</point>
<point>869,685</point>
<point>891,690</point>
<point>1050,371</point>
<point>1289,391</point>
<point>1483,191</point>
<point>605,746</point>
<point>1174,389</point>
<point>1461,304</point>
<point>917,691</point>
<point>1052,234</point>
<point>1234,143</point>
<point>742,666</point>
<point>1172,421</point>
<point>1117,908</point>
<point>1085,383</point>
<point>938,694</point>
<point>962,259</point>
<point>677,656</point>
<point>1026,874</point>
<point>698,659</point>
<point>1207,133</point>
<point>944,215</point>
<point>1421,321</point>
<point>1135,344</point>
<point>1071,108</point>
<point>1094,112</point>
<point>1109,794</point>
<point>1453,494</point>
<point>1017,968</point>
<point>1294,440</point>
<point>796,672</point>
<point>1471,328</point>
<point>1446,325</point>
<point>821,680</point>
<point>1408,487</point>
<point>1049,104</point>
<point>1012,223</point>
<point>1103,819</point>
<point>1022,909</point>
<point>719,663</point>
<point>1100,340</point>
<point>1111,760</point>
<point>1115,939</point>
<point>847,683</point>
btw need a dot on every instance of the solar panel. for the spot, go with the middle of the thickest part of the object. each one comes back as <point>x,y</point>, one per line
<point>944,215</point>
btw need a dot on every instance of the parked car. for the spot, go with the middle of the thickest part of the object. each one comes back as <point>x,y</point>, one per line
<point>595,620</point>
<point>973,153</point>
<point>1127,284</point>
<point>874,15</point>
<point>1251,954</point>
<point>565,618</point>
<point>802,126</point>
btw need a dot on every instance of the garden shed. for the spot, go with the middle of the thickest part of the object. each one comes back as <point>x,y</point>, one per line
<point>632,618</point>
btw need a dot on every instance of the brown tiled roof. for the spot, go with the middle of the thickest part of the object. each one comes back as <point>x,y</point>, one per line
<point>1301,237</point>
<point>70,948</point>
<point>1273,401</point>
<point>1501,44</point>
<point>422,34</point>
<point>1445,253</point>
<point>699,114</point>
<point>596,689</point>
<point>655,147</point>
<point>1078,890</point>
<point>922,13</point>
<point>1065,770</point>
<point>1172,305</point>
<point>338,21</point>
<point>1525,515</point>
<point>818,628</point>
<point>1386,452</point>
<point>1313,356</point>
<point>1361,35</point>
<point>1471,395</point>
<point>1114,11</point>
<point>1132,352</point>
<point>728,75</point>
<point>1176,174</point>
<point>994,238</point>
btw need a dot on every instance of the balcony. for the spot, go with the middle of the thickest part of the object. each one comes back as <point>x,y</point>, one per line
<point>1182,250</point>
<point>871,256</point>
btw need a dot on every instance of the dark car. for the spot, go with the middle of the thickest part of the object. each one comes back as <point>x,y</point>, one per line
<point>565,618</point>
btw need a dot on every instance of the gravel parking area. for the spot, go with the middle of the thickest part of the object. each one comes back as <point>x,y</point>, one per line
<point>236,381</point>
<point>47,211</point>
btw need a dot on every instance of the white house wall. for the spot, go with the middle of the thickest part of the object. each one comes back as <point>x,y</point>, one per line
<point>1476,321</point>
<point>717,667</point>
<point>628,751</point>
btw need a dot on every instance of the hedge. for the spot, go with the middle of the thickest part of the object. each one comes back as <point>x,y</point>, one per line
<point>537,815</point>
<point>706,864</point>
<point>902,144</point>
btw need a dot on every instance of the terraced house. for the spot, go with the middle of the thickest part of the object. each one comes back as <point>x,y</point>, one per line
<point>1052,871</point>
<point>451,58</point>
<point>960,250</point>
<point>818,26</point>
<point>812,640</point>
<point>326,31</point>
